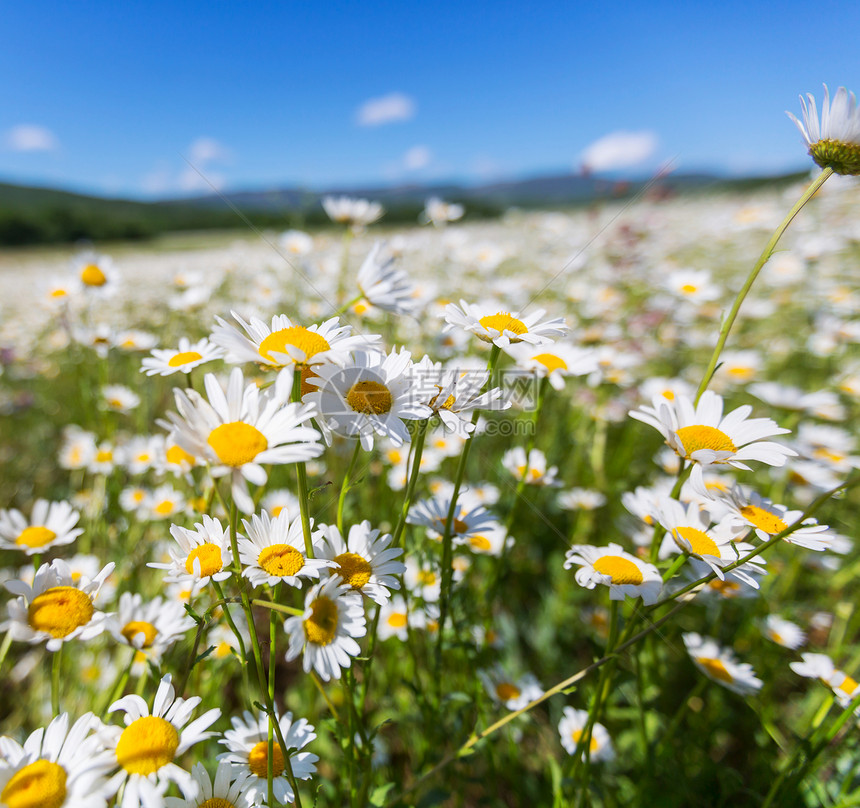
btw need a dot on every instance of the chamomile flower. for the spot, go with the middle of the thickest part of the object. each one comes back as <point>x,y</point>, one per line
<point>532,469</point>
<point>611,566</point>
<point>162,503</point>
<point>327,630</point>
<point>554,362</point>
<point>285,343</point>
<point>783,632</point>
<point>119,398</point>
<point>204,554</point>
<point>78,449</point>
<point>230,789</point>
<point>60,766</point>
<point>150,743</point>
<point>470,519</point>
<point>513,693</point>
<point>571,727</point>
<point>274,551</point>
<point>375,394</point>
<point>51,524</point>
<point>364,560</point>
<point>580,499</point>
<point>384,285</point>
<point>240,432</point>
<point>96,274</point>
<point>152,627</point>
<point>296,242</point>
<point>249,753</point>
<point>165,362</point>
<point>56,608</point>
<point>439,213</point>
<point>355,212</point>
<point>503,327</point>
<point>820,666</point>
<point>700,432</point>
<point>719,664</point>
<point>834,141</point>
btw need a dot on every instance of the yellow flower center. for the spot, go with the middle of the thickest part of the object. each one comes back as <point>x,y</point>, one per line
<point>165,507</point>
<point>426,577</point>
<point>551,362</point>
<point>369,397</point>
<point>281,560</point>
<point>41,784</point>
<point>59,293</point>
<point>35,536</point>
<point>505,691</point>
<point>237,443</point>
<point>146,745</point>
<point>592,746</point>
<point>60,610</point>
<point>308,342</point>
<point>715,669</point>
<point>689,288</point>
<point>620,570</point>
<point>847,686</point>
<point>764,520</point>
<point>209,557</point>
<point>183,358</point>
<point>480,543</point>
<point>397,620</point>
<point>91,275</point>
<point>699,437</point>
<point>321,626</point>
<point>354,569</point>
<point>136,627</point>
<point>458,526</point>
<point>104,455</point>
<point>177,456</point>
<point>218,802</point>
<point>700,542</point>
<point>258,759</point>
<point>502,321</point>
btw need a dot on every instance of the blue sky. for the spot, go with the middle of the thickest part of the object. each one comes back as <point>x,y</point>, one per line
<point>109,97</point>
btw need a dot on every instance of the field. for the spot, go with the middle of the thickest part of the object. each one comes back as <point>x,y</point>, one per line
<point>573,556</point>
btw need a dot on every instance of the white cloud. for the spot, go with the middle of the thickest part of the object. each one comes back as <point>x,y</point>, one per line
<point>29,137</point>
<point>619,150</point>
<point>386,109</point>
<point>416,158</point>
<point>207,150</point>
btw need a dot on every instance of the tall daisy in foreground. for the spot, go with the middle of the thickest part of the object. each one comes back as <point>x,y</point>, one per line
<point>57,608</point>
<point>51,524</point>
<point>611,566</point>
<point>328,628</point>
<point>275,551</point>
<point>249,753</point>
<point>364,560</point>
<point>241,431</point>
<point>719,664</point>
<point>57,767</point>
<point>503,327</point>
<point>375,394</point>
<point>150,743</point>
<point>834,142</point>
<point>571,727</point>
<point>700,433</point>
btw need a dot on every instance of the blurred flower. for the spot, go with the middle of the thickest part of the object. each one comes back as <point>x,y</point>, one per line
<point>719,665</point>
<point>571,727</point>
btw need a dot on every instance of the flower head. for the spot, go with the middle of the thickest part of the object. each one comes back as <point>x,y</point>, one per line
<point>834,141</point>
<point>719,664</point>
<point>183,359</point>
<point>51,524</point>
<point>571,727</point>
<point>503,327</point>
<point>611,566</point>
<point>203,554</point>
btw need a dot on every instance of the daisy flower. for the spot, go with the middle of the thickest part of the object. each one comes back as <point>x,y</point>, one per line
<point>490,541</point>
<point>373,395</point>
<point>470,518</point>
<point>719,664</point>
<point>51,524</point>
<point>580,499</point>
<point>279,500</point>
<point>532,469</point>
<point>231,789</point>
<point>503,327</point>
<point>364,561</point>
<point>820,666</point>
<point>96,274</point>
<point>284,343</point>
<point>249,753</point>
<point>135,340</point>
<point>162,503</point>
<point>571,727</point>
<point>78,449</point>
<point>184,359</point>
<point>57,767</point>
<point>119,398</point>
<point>141,452</point>
<point>152,626</point>
<point>240,432</point>
<point>384,285</point>
<point>150,743</point>
<point>702,434</point>
<point>56,608</point>
<point>783,632</point>
<point>355,212</point>
<point>693,285</point>
<point>834,142</point>
<point>395,619</point>
<point>514,694</point>
<point>296,242</point>
<point>204,554</point>
<point>554,362</point>
<point>439,213</point>
<point>275,551</point>
<point>611,566</point>
<point>326,631</point>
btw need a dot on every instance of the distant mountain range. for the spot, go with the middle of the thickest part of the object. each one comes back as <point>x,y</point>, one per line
<point>31,215</point>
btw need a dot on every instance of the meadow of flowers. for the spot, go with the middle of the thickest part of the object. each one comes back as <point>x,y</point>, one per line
<point>554,510</point>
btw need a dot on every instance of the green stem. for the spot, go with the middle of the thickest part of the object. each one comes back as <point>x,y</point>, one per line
<point>345,486</point>
<point>243,652</point>
<point>417,451</point>
<point>302,476</point>
<point>4,648</point>
<point>270,757</point>
<point>763,258</point>
<point>56,663</point>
